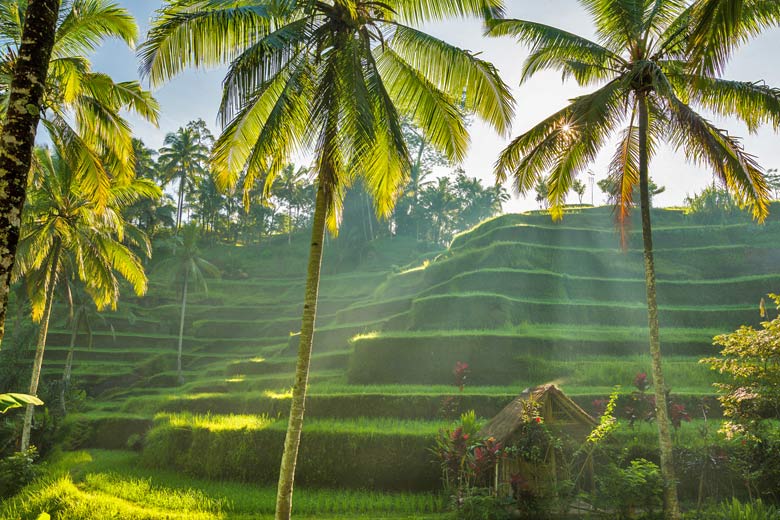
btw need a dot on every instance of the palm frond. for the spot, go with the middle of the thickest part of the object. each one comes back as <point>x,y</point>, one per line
<point>755,104</point>
<point>719,27</point>
<point>459,73</point>
<point>588,118</point>
<point>88,23</point>
<point>419,12</point>
<point>555,49</point>
<point>201,33</point>
<point>703,143</point>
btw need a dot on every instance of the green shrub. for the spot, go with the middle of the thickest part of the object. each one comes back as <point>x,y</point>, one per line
<point>483,506</point>
<point>631,492</point>
<point>111,432</point>
<point>16,471</point>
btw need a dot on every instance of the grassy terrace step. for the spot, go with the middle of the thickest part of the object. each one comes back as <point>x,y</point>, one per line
<point>547,284</point>
<point>213,328</point>
<point>325,361</point>
<point>336,337</point>
<point>474,310</point>
<point>423,406</point>
<point>112,484</point>
<point>496,357</point>
<point>269,381</point>
<point>680,263</point>
<point>664,238</point>
<point>362,453</point>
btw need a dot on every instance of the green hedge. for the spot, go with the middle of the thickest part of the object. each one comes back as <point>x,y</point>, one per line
<point>364,460</point>
<point>490,311</point>
<point>493,359</point>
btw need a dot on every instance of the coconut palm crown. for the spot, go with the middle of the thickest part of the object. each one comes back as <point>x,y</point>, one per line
<point>333,78</point>
<point>656,56</point>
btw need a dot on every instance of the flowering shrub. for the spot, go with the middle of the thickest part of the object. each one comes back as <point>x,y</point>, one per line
<point>678,414</point>
<point>461,372</point>
<point>467,460</point>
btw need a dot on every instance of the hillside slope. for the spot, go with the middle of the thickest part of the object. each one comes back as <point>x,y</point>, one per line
<point>519,298</point>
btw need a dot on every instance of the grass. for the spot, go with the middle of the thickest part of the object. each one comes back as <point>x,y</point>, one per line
<point>95,485</point>
<point>359,426</point>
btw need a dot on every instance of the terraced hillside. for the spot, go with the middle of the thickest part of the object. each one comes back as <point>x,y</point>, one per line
<point>521,299</point>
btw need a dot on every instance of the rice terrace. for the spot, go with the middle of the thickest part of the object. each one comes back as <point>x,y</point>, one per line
<point>408,259</point>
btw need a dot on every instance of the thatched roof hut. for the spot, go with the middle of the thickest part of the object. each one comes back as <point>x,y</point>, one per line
<point>559,414</point>
<point>556,409</point>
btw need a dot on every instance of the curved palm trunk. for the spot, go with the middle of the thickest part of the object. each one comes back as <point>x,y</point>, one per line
<point>43,331</point>
<point>671,504</point>
<point>181,326</point>
<point>293,438</point>
<point>19,128</point>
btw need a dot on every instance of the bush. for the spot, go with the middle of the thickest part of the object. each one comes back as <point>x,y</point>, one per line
<point>631,492</point>
<point>483,506</point>
<point>16,471</point>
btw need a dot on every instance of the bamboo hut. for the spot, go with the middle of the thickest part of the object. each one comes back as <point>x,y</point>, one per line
<point>562,417</point>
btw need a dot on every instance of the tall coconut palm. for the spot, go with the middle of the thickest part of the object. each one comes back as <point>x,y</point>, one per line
<point>65,233</point>
<point>43,65</point>
<point>25,89</point>
<point>331,77</point>
<point>187,268</point>
<point>182,160</point>
<point>653,64</point>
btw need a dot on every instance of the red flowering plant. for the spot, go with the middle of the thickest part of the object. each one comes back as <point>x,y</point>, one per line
<point>640,406</point>
<point>461,373</point>
<point>678,414</point>
<point>467,460</point>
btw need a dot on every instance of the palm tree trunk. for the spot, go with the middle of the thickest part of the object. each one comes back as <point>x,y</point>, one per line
<point>293,438</point>
<point>180,209</point>
<point>179,374</point>
<point>19,128</point>
<point>43,331</point>
<point>68,367</point>
<point>671,504</point>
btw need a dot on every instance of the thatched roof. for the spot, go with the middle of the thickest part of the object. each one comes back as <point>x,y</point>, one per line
<point>556,409</point>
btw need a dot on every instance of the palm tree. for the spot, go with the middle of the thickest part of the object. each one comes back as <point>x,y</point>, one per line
<point>335,78</point>
<point>82,107</point>
<point>290,188</point>
<point>653,63</point>
<point>45,44</point>
<point>182,158</point>
<point>186,267</point>
<point>65,234</point>
<point>19,128</point>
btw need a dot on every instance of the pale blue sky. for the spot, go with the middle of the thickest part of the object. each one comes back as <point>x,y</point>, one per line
<point>196,94</point>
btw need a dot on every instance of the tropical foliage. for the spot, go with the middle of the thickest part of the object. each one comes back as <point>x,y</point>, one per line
<point>654,67</point>
<point>65,234</point>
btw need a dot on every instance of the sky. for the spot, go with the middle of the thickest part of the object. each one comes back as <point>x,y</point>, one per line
<point>196,94</point>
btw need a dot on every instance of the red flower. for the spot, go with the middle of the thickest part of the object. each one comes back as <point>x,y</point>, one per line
<point>538,419</point>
